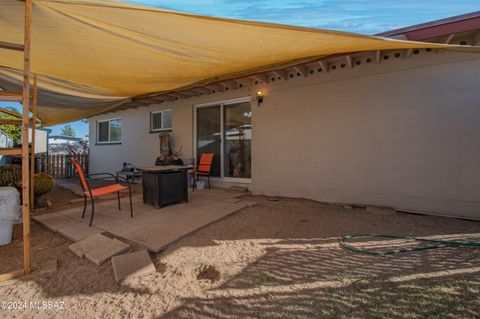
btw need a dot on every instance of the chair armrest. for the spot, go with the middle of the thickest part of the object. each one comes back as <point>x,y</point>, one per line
<point>97,174</point>
<point>101,178</point>
<point>104,177</point>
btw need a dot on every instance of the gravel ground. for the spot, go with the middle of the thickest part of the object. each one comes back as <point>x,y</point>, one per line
<point>279,259</point>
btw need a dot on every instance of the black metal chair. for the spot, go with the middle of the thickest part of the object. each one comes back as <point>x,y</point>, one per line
<point>89,192</point>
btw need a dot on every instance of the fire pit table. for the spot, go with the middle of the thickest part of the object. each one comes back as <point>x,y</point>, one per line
<point>165,185</point>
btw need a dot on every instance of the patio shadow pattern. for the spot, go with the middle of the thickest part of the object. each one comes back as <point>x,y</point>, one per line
<point>317,279</point>
<point>150,227</point>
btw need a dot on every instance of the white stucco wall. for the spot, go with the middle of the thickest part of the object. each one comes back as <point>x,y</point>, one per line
<point>403,133</point>
<point>139,146</point>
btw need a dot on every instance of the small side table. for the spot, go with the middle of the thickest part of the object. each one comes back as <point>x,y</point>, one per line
<point>165,185</point>
<point>130,176</point>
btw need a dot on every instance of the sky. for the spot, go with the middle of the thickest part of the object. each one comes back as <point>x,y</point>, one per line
<point>81,128</point>
<point>359,16</point>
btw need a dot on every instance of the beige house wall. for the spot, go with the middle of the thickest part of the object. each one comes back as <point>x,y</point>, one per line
<point>403,133</point>
<point>139,146</point>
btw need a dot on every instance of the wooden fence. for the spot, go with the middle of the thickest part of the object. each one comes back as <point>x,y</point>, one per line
<point>60,167</point>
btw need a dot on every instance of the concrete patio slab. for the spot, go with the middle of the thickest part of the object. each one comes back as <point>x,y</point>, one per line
<point>78,231</point>
<point>232,200</point>
<point>132,265</point>
<point>54,221</point>
<point>155,229</point>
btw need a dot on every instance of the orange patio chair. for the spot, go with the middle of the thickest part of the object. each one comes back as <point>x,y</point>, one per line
<point>89,192</point>
<point>204,168</point>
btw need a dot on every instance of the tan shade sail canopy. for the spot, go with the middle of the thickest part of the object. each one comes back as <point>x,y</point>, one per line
<point>91,56</point>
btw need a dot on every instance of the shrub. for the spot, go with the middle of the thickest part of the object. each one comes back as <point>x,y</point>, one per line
<point>11,175</point>
<point>43,183</point>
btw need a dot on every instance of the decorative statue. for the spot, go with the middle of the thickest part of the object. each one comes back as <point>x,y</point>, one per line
<point>167,155</point>
<point>165,146</point>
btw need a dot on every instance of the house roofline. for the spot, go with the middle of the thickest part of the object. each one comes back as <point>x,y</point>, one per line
<point>456,24</point>
<point>65,137</point>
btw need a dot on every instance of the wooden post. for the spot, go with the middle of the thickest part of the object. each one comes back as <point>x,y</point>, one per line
<point>25,122</point>
<point>25,148</point>
<point>32,157</point>
<point>12,274</point>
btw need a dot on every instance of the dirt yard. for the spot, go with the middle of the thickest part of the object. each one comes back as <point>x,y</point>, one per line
<point>280,259</point>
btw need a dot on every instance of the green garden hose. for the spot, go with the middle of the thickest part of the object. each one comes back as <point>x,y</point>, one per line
<point>434,243</point>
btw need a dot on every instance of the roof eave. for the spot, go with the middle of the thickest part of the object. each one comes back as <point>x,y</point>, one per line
<point>451,25</point>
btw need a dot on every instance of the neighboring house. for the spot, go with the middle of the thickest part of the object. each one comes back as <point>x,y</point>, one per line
<point>393,128</point>
<point>60,144</point>
<point>5,141</point>
<point>41,139</point>
<point>41,143</point>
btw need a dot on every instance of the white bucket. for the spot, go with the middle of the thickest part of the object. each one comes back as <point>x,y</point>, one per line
<point>200,184</point>
<point>5,234</point>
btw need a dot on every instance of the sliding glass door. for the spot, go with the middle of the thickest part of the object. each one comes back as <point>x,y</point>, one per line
<point>226,131</point>
<point>209,135</point>
<point>237,140</point>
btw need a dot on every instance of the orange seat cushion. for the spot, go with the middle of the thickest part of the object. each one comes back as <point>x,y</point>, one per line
<point>106,190</point>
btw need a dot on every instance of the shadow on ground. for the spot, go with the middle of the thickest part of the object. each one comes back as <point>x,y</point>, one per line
<point>299,271</point>
<point>322,280</point>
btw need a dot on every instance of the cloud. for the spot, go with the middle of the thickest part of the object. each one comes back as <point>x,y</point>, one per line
<point>361,16</point>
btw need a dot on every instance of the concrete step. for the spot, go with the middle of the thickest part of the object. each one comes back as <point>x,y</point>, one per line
<point>98,248</point>
<point>132,265</point>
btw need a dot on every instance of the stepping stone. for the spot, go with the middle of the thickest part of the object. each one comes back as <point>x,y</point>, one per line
<point>98,248</point>
<point>132,265</point>
<point>87,244</point>
<point>102,253</point>
<point>54,221</point>
<point>48,267</point>
<point>79,231</point>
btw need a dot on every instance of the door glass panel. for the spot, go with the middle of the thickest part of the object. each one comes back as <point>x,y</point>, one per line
<point>209,135</point>
<point>237,140</point>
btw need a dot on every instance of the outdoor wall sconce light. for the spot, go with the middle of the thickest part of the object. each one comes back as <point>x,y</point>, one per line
<point>259,97</point>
